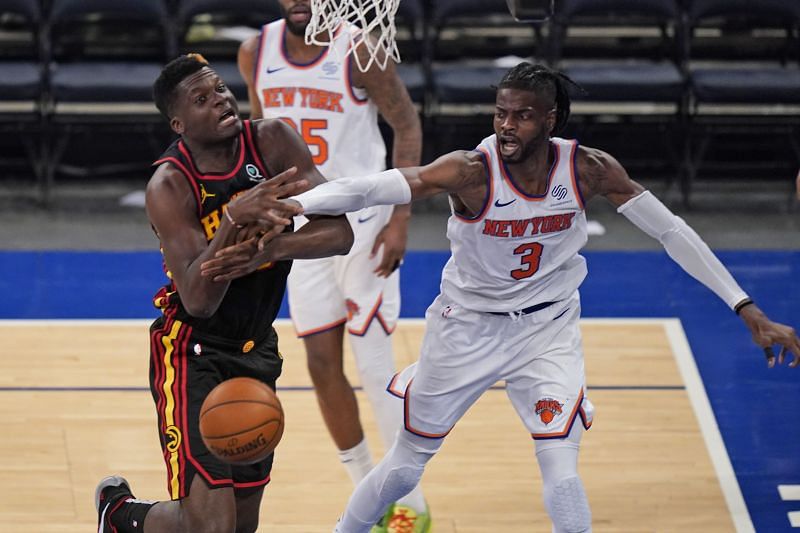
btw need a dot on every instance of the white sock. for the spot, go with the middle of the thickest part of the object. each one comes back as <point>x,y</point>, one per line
<point>375,362</point>
<point>357,461</point>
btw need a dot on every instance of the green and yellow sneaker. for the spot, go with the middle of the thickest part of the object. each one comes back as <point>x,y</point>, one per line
<point>380,527</point>
<point>403,519</point>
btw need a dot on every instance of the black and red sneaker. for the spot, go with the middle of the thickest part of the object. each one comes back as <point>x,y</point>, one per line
<point>109,492</point>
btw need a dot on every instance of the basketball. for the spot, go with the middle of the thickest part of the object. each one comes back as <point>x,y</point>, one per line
<point>241,421</point>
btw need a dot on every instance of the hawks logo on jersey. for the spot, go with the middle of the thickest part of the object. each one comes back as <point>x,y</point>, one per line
<point>548,409</point>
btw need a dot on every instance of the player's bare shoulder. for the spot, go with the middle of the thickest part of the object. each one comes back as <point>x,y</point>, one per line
<point>278,141</point>
<point>168,192</point>
<point>601,174</point>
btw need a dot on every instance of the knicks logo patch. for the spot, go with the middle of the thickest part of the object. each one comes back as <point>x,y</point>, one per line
<point>352,308</point>
<point>174,439</point>
<point>548,409</point>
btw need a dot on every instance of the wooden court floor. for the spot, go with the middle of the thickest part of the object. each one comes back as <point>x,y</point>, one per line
<point>74,407</point>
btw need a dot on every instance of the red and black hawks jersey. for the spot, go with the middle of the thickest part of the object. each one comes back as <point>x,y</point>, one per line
<point>252,302</point>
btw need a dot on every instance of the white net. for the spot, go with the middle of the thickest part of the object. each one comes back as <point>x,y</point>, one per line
<point>373,17</point>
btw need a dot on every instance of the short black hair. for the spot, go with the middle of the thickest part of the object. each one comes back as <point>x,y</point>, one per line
<point>171,75</point>
<point>545,81</point>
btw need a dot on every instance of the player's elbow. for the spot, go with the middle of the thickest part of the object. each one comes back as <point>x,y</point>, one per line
<point>346,237</point>
<point>200,308</point>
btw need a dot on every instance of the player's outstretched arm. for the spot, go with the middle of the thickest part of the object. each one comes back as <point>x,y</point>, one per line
<point>455,173</point>
<point>602,175</point>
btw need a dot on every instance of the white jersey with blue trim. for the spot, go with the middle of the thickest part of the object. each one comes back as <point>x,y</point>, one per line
<point>521,250</point>
<point>337,121</point>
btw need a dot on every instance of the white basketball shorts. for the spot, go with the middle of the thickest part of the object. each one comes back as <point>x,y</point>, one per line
<point>328,292</point>
<point>464,353</point>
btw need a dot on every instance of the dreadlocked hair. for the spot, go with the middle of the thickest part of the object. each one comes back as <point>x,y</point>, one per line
<point>544,81</point>
<point>171,75</point>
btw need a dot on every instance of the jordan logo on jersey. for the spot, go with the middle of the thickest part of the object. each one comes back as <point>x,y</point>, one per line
<point>548,409</point>
<point>204,195</point>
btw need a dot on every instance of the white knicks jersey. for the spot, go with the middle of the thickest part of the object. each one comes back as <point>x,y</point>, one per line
<point>521,250</point>
<point>337,121</point>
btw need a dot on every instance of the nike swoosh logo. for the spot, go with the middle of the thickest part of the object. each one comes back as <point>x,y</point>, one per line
<point>362,220</point>
<point>497,203</point>
<point>270,70</point>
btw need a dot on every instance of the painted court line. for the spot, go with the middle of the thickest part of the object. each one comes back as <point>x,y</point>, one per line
<point>708,425</point>
<point>789,492</point>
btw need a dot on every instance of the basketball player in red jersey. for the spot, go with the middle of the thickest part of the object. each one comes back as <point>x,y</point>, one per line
<point>217,178</point>
<point>320,92</point>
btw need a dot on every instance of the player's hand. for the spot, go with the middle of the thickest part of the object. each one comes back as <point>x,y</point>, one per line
<point>767,333</point>
<point>239,259</point>
<point>393,237</point>
<point>260,228</point>
<point>262,204</point>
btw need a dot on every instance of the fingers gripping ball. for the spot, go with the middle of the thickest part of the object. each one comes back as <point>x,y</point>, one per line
<point>241,421</point>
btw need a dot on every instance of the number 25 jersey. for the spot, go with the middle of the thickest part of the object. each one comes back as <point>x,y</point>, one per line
<point>336,120</point>
<point>520,250</point>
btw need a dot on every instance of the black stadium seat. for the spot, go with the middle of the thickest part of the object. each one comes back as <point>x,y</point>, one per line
<point>626,56</point>
<point>22,81</point>
<point>105,55</point>
<point>745,85</point>
<point>215,28</point>
<point>467,38</point>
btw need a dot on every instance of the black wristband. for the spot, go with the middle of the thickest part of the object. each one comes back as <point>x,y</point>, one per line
<point>741,305</point>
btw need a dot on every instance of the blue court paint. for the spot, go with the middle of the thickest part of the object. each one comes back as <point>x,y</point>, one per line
<point>756,408</point>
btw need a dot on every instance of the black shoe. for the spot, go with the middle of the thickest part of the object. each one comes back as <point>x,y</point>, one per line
<point>106,495</point>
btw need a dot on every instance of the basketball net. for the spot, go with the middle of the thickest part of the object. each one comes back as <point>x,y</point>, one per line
<point>371,17</point>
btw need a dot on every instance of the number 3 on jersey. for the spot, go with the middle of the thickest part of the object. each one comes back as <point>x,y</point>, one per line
<point>308,128</point>
<point>531,253</point>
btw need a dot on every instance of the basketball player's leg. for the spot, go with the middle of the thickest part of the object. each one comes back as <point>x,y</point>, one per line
<point>183,370</point>
<point>452,373</point>
<point>248,505</point>
<point>204,509</point>
<point>397,474</point>
<point>547,391</point>
<point>319,314</point>
<point>564,497</point>
<point>335,396</point>
<point>373,304</point>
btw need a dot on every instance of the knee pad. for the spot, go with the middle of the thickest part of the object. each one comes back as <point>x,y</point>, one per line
<point>567,505</point>
<point>399,482</point>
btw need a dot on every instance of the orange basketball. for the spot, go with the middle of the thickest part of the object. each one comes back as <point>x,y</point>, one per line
<point>241,421</point>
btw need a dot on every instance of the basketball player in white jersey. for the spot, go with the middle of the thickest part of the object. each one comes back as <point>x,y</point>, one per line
<point>335,107</point>
<point>509,305</point>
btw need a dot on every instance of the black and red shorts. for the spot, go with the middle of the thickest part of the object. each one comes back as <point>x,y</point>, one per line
<point>184,367</point>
